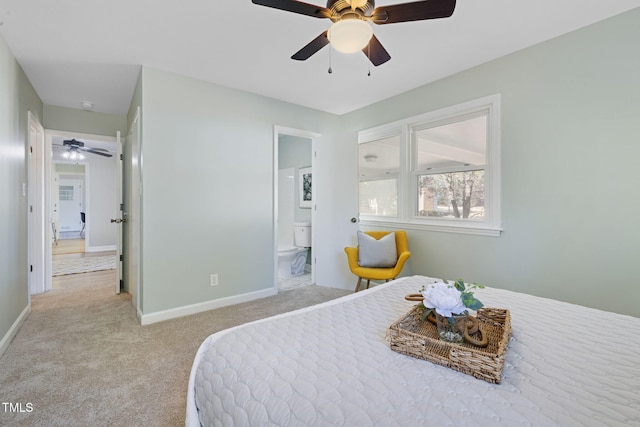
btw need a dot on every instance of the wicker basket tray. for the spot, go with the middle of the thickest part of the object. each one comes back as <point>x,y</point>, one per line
<point>414,337</point>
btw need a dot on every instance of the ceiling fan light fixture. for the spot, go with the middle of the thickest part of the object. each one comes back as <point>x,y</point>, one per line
<point>350,35</point>
<point>73,153</point>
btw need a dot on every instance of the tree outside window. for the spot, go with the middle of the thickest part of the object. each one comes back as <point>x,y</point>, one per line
<point>453,194</point>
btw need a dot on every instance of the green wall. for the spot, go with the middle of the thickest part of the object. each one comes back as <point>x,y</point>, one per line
<point>208,188</point>
<point>18,97</point>
<point>570,185</point>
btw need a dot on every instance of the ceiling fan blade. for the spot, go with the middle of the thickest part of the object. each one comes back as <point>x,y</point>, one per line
<point>97,151</point>
<point>376,53</point>
<point>296,7</point>
<point>73,143</point>
<point>312,47</point>
<point>415,11</point>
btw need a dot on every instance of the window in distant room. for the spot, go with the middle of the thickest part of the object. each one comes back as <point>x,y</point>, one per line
<point>66,192</point>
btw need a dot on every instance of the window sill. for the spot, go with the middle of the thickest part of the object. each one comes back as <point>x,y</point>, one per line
<point>464,228</point>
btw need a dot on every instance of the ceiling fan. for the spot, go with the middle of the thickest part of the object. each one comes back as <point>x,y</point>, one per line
<point>75,149</point>
<point>350,31</point>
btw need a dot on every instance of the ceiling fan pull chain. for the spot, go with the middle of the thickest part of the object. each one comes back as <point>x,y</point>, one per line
<point>368,59</point>
<point>330,70</point>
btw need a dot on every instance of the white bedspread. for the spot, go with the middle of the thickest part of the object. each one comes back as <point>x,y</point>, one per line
<point>330,365</point>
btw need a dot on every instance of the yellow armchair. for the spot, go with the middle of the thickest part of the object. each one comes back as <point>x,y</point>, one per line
<point>371,273</point>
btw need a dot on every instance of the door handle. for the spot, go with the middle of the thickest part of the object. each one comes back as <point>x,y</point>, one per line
<point>118,220</point>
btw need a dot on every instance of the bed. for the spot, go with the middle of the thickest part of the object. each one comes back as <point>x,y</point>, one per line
<point>331,365</point>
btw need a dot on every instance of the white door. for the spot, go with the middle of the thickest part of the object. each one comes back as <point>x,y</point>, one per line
<point>37,243</point>
<point>70,194</point>
<point>335,208</point>
<point>122,217</point>
<point>132,208</point>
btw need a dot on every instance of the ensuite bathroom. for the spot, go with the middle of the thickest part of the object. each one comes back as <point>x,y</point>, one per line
<point>294,212</point>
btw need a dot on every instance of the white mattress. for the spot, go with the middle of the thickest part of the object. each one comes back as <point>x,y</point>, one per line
<point>331,365</point>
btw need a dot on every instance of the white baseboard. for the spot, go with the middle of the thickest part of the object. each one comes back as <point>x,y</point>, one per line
<point>187,310</point>
<point>101,248</point>
<point>6,340</point>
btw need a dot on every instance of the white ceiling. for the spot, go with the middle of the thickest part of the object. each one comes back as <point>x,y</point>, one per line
<point>79,50</point>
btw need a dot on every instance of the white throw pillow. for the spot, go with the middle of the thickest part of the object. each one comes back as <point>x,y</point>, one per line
<point>377,253</point>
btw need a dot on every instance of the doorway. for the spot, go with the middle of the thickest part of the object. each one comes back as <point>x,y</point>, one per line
<point>70,202</point>
<point>293,166</point>
<point>81,199</point>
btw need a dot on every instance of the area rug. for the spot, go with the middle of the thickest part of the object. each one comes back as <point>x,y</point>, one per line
<point>83,265</point>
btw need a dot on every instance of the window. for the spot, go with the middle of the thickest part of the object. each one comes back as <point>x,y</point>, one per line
<point>451,173</point>
<point>379,170</point>
<point>450,161</point>
<point>66,192</point>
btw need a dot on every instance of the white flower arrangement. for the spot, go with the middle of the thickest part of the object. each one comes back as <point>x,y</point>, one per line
<point>449,299</point>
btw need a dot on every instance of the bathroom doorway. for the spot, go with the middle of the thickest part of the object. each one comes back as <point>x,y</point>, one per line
<point>293,204</point>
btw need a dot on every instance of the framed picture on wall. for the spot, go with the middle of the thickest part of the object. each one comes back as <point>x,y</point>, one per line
<point>304,184</point>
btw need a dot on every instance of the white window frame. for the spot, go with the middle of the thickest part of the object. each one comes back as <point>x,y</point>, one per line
<point>384,132</point>
<point>407,179</point>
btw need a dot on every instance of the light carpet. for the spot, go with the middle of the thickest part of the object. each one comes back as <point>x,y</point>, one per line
<point>81,358</point>
<point>61,267</point>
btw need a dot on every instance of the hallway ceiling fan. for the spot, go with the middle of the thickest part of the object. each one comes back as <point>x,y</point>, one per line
<point>350,31</point>
<point>75,148</point>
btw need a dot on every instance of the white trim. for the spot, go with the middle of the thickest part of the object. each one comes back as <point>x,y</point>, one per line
<point>187,310</point>
<point>119,211</point>
<point>36,208</point>
<point>457,228</point>
<point>13,330</point>
<point>132,258</point>
<point>100,248</point>
<point>491,225</point>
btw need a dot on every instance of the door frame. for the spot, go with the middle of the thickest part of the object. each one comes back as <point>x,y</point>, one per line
<point>121,215</point>
<point>36,207</point>
<point>82,179</point>
<point>314,137</point>
<point>132,193</point>
<point>49,134</point>
<point>85,201</point>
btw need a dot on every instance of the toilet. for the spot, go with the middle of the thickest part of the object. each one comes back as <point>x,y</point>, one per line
<point>292,259</point>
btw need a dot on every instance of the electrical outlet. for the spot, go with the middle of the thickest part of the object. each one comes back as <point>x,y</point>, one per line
<point>214,279</point>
